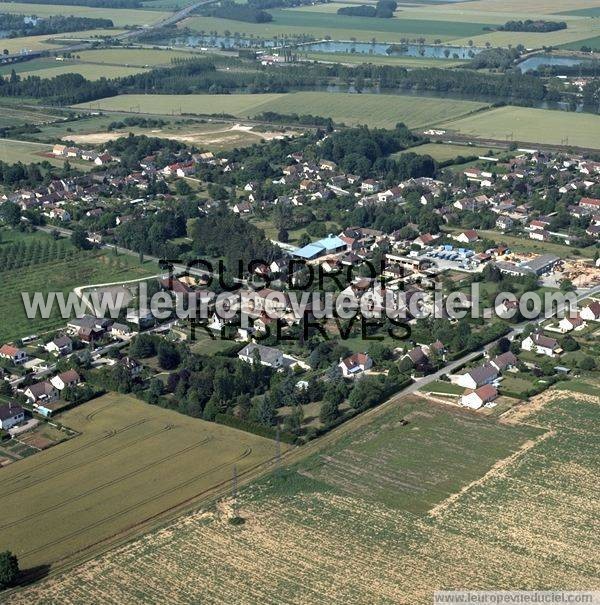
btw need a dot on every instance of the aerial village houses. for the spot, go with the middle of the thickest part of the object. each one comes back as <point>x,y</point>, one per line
<point>479,397</point>
<point>266,356</point>
<point>70,378</point>
<point>14,354</point>
<point>477,377</point>
<point>43,391</point>
<point>11,415</point>
<point>355,365</point>
<point>543,345</point>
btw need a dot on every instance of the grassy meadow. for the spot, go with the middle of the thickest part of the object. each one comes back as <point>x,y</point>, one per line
<point>133,57</point>
<point>87,70</point>
<point>130,462</point>
<point>119,17</point>
<point>531,126</point>
<point>23,151</point>
<point>443,152</point>
<point>12,115</point>
<point>376,110</point>
<point>406,504</point>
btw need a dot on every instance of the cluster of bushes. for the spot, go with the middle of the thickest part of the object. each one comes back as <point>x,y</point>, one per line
<point>495,58</point>
<point>533,26</point>
<point>239,12</point>
<point>135,121</point>
<point>286,118</point>
<point>384,9</point>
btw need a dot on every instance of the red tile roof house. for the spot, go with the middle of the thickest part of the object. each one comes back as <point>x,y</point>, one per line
<point>355,365</point>
<point>590,203</point>
<point>479,397</point>
<point>467,237</point>
<point>591,312</point>
<point>572,322</point>
<point>17,356</point>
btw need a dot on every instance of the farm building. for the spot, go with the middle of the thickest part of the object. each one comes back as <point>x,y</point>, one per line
<point>328,245</point>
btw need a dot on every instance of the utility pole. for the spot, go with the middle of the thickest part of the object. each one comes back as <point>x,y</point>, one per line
<point>234,492</point>
<point>277,449</point>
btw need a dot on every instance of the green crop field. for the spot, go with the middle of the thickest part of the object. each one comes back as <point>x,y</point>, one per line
<point>306,20</point>
<point>133,57</point>
<point>23,151</point>
<point>12,116</point>
<point>593,43</point>
<point>531,126</point>
<point>375,110</point>
<point>444,152</point>
<point>46,42</point>
<point>119,17</point>
<point>60,275</point>
<point>240,104</point>
<point>131,461</point>
<point>326,25</point>
<point>87,70</point>
<point>385,514</point>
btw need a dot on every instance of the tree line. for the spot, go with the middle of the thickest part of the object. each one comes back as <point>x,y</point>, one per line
<point>16,26</point>
<point>201,75</point>
<point>384,9</point>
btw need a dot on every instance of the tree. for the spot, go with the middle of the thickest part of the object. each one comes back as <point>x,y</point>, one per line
<point>9,569</point>
<point>79,239</point>
<point>142,346</point>
<point>570,344</point>
<point>503,345</point>
<point>588,364</point>
<point>155,391</point>
<point>293,422</point>
<point>183,187</point>
<point>567,286</point>
<point>329,412</point>
<point>10,213</point>
<point>5,388</point>
<point>168,355</point>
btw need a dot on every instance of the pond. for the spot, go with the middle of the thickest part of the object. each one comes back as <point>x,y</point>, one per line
<point>223,42</point>
<point>430,51</point>
<point>427,51</point>
<point>532,63</point>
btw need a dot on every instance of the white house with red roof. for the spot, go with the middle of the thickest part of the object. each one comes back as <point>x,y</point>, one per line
<point>467,237</point>
<point>355,365</point>
<point>14,354</point>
